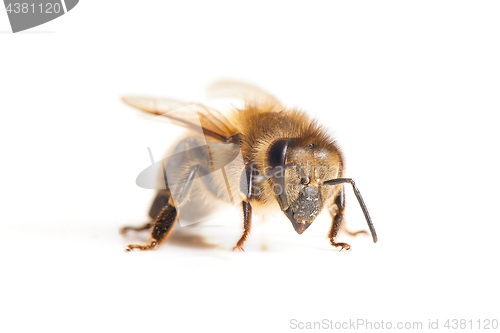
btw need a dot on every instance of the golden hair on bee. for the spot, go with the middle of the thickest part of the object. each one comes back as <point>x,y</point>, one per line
<point>288,161</point>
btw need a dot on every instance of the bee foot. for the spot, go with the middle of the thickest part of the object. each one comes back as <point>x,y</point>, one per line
<point>124,230</point>
<point>238,248</point>
<point>343,246</point>
<point>143,247</point>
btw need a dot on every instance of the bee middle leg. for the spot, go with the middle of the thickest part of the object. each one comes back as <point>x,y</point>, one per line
<point>338,217</point>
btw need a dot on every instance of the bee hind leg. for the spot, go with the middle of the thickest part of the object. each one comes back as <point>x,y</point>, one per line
<point>161,229</point>
<point>189,160</point>
<point>165,219</point>
<point>161,201</point>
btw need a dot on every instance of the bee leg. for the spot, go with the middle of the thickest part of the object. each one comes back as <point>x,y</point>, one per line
<point>162,227</point>
<point>340,204</point>
<point>355,233</point>
<point>247,224</point>
<point>168,215</point>
<point>247,189</point>
<point>338,217</point>
<point>161,200</point>
<point>143,227</point>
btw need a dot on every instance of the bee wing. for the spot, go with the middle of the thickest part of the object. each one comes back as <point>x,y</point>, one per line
<point>190,115</point>
<point>241,90</point>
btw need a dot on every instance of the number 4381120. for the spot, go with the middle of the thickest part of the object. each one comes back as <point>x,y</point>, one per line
<point>42,8</point>
<point>485,324</point>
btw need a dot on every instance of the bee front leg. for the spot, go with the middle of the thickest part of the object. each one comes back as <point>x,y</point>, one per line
<point>247,224</point>
<point>338,217</point>
<point>247,189</point>
<point>338,213</point>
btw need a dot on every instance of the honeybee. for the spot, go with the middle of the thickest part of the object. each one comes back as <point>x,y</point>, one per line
<point>262,155</point>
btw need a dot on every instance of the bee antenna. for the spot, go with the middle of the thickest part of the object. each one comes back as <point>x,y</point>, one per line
<point>360,200</point>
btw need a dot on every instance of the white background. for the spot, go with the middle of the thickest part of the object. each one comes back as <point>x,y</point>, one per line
<point>410,89</point>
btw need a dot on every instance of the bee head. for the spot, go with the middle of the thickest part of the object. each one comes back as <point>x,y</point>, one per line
<point>298,168</point>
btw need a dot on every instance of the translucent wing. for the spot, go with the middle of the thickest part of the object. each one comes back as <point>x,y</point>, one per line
<point>190,115</point>
<point>241,90</point>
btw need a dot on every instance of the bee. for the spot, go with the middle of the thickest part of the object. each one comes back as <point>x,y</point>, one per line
<point>261,155</point>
